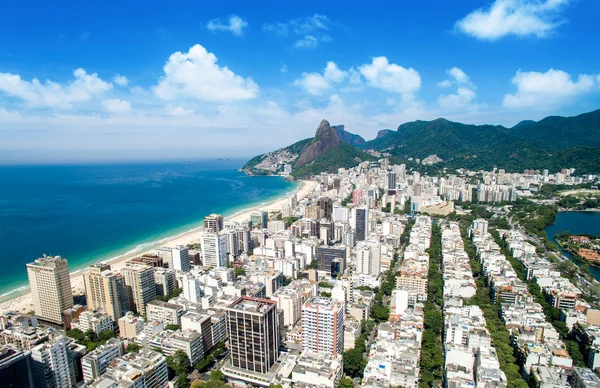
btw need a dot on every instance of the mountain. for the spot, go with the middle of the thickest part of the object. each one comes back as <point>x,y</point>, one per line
<point>552,143</point>
<point>331,147</point>
<point>523,123</point>
<point>350,138</point>
<point>383,133</point>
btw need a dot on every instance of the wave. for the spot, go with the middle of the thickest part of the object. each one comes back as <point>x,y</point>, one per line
<point>16,290</point>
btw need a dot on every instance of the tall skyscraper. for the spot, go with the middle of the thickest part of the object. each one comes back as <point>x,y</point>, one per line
<point>15,368</point>
<point>180,259</point>
<point>101,290</point>
<point>253,333</point>
<point>359,223</point>
<point>391,179</point>
<point>326,207</point>
<point>53,364</point>
<point>214,249</point>
<point>140,285</point>
<point>50,288</point>
<point>326,256</point>
<point>323,326</point>
<point>165,281</point>
<point>213,223</point>
<point>191,289</point>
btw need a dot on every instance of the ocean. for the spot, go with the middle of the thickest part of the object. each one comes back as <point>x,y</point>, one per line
<point>87,213</point>
<point>576,222</point>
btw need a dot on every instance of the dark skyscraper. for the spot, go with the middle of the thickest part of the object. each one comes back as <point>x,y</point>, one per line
<point>359,223</point>
<point>253,333</point>
<point>326,207</point>
<point>327,255</point>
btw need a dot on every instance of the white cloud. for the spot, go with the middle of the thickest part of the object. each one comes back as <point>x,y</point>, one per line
<point>465,94</point>
<point>513,17</point>
<point>463,98</point>
<point>308,41</point>
<point>535,89</point>
<point>283,68</point>
<point>197,75</point>
<point>85,36</point>
<point>178,110</point>
<point>391,77</point>
<point>117,106</point>
<point>120,80</point>
<point>234,24</point>
<point>316,84</point>
<point>51,94</point>
<point>311,30</point>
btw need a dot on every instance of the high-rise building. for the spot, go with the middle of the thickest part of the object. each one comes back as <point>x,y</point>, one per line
<point>253,334</point>
<point>326,207</point>
<point>340,213</point>
<point>15,368</point>
<point>326,256</point>
<point>180,259</point>
<point>50,288</point>
<point>140,285</point>
<point>259,219</point>
<point>165,281</point>
<point>213,223</point>
<point>323,326</point>
<point>359,223</point>
<point>95,363</point>
<point>391,179</point>
<point>214,249</point>
<point>191,289</point>
<point>53,365</point>
<point>144,369</point>
<point>101,290</point>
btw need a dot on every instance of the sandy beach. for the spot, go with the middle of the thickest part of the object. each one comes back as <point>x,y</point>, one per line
<point>23,303</point>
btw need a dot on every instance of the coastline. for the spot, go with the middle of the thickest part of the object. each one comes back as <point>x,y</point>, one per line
<point>23,303</point>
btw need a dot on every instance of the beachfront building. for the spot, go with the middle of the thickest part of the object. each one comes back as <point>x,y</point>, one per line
<point>323,326</point>
<point>180,259</point>
<point>50,288</point>
<point>214,249</point>
<point>101,289</point>
<point>213,223</point>
<point>140,286</point>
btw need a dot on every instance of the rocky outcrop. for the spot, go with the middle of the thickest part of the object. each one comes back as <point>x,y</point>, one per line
<point>350,138</point>
<point>383,132</point>
<point>325,139</point>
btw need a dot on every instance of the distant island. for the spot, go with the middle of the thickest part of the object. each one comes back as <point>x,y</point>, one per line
<point>546,144</point>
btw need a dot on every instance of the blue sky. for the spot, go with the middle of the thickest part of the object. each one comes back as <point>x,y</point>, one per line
<point>151,80</point>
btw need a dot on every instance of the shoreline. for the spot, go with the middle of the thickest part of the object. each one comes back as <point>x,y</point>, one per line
<point>23,303</point>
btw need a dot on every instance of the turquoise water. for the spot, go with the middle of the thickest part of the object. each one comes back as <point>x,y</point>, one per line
<point>96,212</point>
<point>575,223</point>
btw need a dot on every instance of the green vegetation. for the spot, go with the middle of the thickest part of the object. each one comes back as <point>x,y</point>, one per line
<point>176,292</point>
<point>342,156</point>
<point>498,332</point>
<point>295,148</point>
<point>132,347</point>
<point>89,339</point>
<point>432,354</point>
<point>217,375</point>
<point>552,314</point>
<point>239,272</point>
<point>345,383</point>
<point>172,327</point>
<point>208,360</point>
<point>325,285</point>
<point>325,294</point>
<point>545,144</point>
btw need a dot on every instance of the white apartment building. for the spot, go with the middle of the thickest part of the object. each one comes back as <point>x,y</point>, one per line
<point>323,326</point>
<point>180,259</point>
<point>214,249</point>
<point>50,285</point>
<point>95,363</point>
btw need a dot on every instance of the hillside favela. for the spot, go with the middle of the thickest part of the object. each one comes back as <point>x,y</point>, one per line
<point>300,195</point>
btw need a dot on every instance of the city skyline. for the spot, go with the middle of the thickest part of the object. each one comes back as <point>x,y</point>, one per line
<point>217,81</point>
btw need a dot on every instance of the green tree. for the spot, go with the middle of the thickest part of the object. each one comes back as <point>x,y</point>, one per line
<point>182,381</point>
<point>345,382</point>
<point>217,375</point>
<point>133,348</point>
<point>172,327</point>
<point>178,362</point>
<point>354,363</point>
